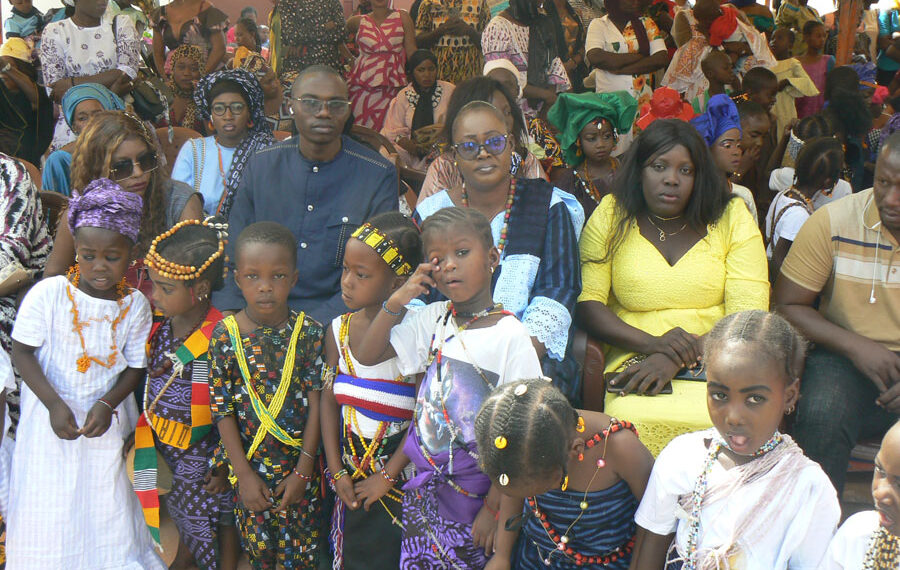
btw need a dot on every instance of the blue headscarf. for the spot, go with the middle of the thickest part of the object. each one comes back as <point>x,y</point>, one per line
<point>721,115</point>
<point>84,91</point>
<point>866,73</point>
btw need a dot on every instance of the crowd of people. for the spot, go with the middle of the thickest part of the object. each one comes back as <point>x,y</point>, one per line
<point>343,323</point>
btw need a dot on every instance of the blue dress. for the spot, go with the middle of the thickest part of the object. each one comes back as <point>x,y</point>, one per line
<point>57,172</point>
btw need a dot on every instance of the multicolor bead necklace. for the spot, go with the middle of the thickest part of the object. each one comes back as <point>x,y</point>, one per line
<point>510,198</point>
<point>715,447</point>
<point>562,541</point>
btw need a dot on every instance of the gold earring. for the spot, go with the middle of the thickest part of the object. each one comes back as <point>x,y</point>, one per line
<point>790,410</point>
<point>565,484</point>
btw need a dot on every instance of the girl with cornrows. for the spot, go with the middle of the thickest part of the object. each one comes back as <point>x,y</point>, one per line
<point>466,346</point>
<point>740,494</point>
<point>366,409</point>
<point>576,475</point>
<point>185,265</point>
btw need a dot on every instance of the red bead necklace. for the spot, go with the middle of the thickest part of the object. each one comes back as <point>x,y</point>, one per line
<point>510,198</point>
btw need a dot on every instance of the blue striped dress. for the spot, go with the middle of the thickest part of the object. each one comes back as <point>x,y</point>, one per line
<point>606,525</point>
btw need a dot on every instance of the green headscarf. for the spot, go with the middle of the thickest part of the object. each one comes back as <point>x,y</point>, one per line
<point>572,111</point>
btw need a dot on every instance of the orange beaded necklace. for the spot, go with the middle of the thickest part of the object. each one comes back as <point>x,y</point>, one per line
<point>85,361</point>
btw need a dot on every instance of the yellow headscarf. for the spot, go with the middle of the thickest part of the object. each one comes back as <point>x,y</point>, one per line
<point>17,48</point>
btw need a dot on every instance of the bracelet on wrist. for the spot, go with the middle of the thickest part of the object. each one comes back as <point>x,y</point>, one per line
<point>306,478</point>
<point>308,454</point>
<point>112,409</point>
<point>339,474</point>
<point>492,511</point>
<point>388,478</point>
<point>384,308</point>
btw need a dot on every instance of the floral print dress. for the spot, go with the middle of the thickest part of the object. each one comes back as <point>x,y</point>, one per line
<point>289,539</point>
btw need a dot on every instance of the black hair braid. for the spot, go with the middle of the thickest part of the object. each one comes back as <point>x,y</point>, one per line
<point>523,429</point>
<point>457,219</point>
<point>820,159</point>
<point>193,245</point>
<point>774,336</point>
<point>403,232</point>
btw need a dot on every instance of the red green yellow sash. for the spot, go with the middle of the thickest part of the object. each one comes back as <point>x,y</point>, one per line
<point>151,427</point>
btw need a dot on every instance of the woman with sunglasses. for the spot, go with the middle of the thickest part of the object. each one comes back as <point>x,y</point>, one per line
<point>444,171</point>
<point>232,103</point>
<point>119,146</point>
<point>534,226</point>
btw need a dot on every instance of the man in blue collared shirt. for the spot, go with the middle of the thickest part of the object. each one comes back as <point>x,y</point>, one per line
<point>320,185</point>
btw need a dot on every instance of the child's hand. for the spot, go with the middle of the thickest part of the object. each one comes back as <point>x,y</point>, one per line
<point>418,284</point>
<point>484,529</point>
<point>129,443</point>
<point>372,489</point>
<point>291,491</point>
<point>97,421</point>
<point>345,490</point>
<point>255,493</point>
<point>62,420</point>
<point>216,481</point>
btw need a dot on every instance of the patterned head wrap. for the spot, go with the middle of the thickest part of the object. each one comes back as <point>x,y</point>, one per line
<point>260,130</point>
<point>721,115</point>
<point>85,91</point>
<point>866,73</point>
<point>185,51</point>
<point>103,204</point>
<point>892,126</point>
<point>17,48</point>
<point>572,112</point>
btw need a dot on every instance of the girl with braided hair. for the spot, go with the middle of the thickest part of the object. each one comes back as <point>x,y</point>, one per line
<point>467,347</point>
<point>741,494</point>
<point>573,477</point>
<point>175,427</point>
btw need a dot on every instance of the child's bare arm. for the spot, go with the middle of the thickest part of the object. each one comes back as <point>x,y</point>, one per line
<point>649,550</point>
<point>331,419</point>
<point>376,343</point>
<point>101,413</point>
<point>62,420</point>
<point>632,461</point>
<point>510,507</point>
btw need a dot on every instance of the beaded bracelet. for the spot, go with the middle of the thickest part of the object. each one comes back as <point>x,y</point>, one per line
<point>388,478</point>
<point>306,478</point>
<point>114,411</point>
<point>337,476</point>
<point>384,308</point>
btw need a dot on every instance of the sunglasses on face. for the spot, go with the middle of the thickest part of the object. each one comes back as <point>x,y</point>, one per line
<point>468,150</point>
<point>218,109</point>
<point>122,169</point>
<point>315,106</point>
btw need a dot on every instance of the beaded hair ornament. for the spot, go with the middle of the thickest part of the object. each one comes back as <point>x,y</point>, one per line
<point>175,271</point>
<point>384,247</point>
<point>500,442</point>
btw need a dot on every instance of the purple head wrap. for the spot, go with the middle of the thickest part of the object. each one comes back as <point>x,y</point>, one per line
<point>103,204</point>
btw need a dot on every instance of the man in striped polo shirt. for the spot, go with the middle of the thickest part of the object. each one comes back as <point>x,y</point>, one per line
<point>847,258</point>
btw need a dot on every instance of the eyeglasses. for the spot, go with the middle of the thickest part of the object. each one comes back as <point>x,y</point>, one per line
<point>468,150</point>
<point>314,106</point>
<point>218,109</point>
<point>123,169</point>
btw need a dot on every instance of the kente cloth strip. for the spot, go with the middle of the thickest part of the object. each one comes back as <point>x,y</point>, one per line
<point>379,400</point>
<point>176,434</point>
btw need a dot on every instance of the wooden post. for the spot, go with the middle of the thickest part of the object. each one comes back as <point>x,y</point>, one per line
<point>848,21</point>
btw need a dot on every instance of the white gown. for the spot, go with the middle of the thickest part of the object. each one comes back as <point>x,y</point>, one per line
<point>71,504</point>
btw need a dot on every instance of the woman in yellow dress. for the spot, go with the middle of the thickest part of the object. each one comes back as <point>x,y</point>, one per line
<point>664,257</point>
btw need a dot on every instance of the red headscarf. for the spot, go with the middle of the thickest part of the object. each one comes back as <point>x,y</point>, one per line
<point>723,26</point>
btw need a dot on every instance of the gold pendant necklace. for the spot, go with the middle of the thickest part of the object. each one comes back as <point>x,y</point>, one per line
<point>663,234</point>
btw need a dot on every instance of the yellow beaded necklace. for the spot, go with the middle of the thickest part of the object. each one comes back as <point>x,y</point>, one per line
<point>85,361</point>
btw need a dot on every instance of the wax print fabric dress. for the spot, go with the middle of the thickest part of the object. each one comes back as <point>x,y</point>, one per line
<point>378,74</point>
<point>294,535</point>
<point>183,434</point>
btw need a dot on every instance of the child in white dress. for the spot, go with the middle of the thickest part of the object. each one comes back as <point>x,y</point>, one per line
<point>740,495</point>
<point>79,344</point>
<point>871,539</point>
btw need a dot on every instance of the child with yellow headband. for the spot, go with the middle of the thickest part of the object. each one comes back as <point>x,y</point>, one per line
<point>367,409</point>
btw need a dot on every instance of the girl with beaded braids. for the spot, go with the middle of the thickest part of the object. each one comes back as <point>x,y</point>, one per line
<point>366,409</point>
<point>870,540</point>
<point>575,478</point>
<point>466,346</point>
<point>185,265</point>
<point>741,494</point>
<point>119,146</point>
